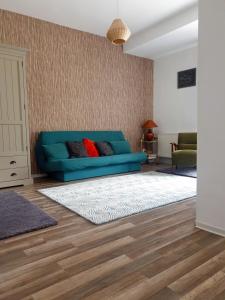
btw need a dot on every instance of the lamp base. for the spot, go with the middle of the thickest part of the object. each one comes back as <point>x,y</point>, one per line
<point>149,136</point>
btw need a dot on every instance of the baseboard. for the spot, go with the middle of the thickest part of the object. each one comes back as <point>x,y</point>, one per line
<point>41,175</point>
<point>165,160</point>
<point>212,229</point>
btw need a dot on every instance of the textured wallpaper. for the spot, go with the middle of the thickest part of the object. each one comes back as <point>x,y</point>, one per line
<point>79,81</point>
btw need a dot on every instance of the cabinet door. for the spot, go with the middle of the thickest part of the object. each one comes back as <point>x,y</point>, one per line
<point>12,110</point>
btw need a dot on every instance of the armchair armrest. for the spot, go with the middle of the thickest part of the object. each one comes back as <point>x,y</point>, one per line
<point>174,147</point>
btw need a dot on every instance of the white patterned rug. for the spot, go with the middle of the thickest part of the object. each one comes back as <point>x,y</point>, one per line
<point>111,198</point>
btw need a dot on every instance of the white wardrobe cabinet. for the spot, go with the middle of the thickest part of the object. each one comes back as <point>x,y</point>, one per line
<point>14,135</point>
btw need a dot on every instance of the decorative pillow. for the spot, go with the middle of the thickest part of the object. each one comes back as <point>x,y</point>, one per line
<point>76,149</point>
<point>90,147</point>
<point>120,147</point>
<point>56,151</point>
<point>104,148</point>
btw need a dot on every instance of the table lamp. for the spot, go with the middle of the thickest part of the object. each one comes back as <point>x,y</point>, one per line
<point>148,129</point>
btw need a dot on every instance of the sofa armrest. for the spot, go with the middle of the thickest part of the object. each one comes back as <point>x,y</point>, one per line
<point>174,147</point>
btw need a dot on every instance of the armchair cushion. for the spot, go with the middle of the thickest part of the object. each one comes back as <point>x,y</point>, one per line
<point>187,146</point>
<point>184,158</point>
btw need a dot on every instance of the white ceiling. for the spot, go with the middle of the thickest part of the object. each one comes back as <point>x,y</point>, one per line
<point>95,16</point>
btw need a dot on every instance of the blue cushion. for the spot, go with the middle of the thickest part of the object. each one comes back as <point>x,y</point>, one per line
<point>56,151</point>
<point>73,164</point>
<point>120,147</point>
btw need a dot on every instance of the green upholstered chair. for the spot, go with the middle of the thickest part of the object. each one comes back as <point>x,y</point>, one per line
<point>184,154</point>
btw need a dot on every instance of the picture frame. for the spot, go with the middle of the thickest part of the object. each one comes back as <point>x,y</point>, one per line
<point>186,78</point>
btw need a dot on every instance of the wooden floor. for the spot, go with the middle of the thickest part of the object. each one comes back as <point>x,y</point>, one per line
<point>154,255</point>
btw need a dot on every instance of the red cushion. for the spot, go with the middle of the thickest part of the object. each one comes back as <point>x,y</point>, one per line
<point>90,147</point>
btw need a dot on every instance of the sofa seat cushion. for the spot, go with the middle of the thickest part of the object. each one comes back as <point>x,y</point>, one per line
<point>188,152</point>
<point>185,157</point>
<point>67,165</point>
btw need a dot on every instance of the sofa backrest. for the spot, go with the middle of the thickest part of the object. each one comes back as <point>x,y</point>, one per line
<point>187,140</point>
<point>53,137</point>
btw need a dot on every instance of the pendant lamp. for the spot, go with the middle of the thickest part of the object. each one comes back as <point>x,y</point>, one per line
<point>118,32</point>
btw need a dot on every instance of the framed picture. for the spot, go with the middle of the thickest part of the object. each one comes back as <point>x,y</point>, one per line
<point>186,78</point>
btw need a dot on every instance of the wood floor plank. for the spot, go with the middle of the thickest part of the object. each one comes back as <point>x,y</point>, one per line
<point>26,290</point>
<point>209,288</point>
<point>155,255</point>
<point>97,289</point>
<point>27,277</point>
<point>94,253</point>
<point>165,294</point>
<point>160,280</point>
<point>198,275</point>
<point>139,291</point>
<point>71,283</point>
<point>13,272</point>
<point>220,296</point>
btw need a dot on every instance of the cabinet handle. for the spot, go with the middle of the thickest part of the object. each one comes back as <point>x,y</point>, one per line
<point>13,174</point>
<point>12,162</point>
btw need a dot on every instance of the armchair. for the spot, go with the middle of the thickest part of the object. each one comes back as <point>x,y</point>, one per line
<point>184,154</point>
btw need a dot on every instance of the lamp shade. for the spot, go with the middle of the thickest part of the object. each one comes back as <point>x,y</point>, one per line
<point>149,124</point>
<point>118,32</point>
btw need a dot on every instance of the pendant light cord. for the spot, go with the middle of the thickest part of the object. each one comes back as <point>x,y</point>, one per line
<point>117,9</point>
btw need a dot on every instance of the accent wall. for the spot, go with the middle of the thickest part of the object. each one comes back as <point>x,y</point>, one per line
<point>79,81</point>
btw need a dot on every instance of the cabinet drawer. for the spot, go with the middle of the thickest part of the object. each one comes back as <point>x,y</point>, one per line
<point>12,162</point>
<point>13,174</point>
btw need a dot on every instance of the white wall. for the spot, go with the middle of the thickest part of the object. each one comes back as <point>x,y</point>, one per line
<point>175,110</point>
<point>211,117</point>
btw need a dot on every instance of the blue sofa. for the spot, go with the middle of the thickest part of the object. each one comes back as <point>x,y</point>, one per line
<point>79,168</point>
